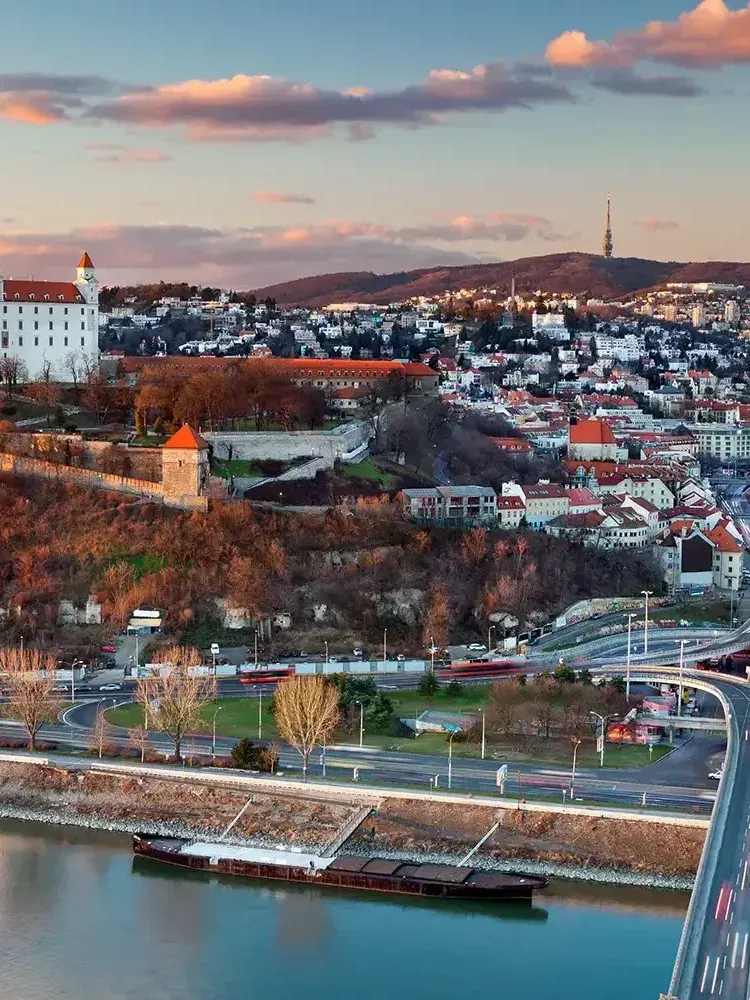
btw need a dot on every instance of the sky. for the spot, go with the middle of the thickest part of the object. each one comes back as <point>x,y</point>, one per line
<point>244,142</point>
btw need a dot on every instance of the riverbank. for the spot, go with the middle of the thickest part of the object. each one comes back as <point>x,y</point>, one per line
<point>572,846</point>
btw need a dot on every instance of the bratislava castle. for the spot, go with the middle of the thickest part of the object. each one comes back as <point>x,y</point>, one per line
<point>43,322</point>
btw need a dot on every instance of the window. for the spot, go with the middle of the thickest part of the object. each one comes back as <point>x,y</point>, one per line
<point>50,325</point>
<point>36,341</point>
<point>83,341</point>
<point>20,341</point>
<point>36,324</point>
<point>51,340</point>
<point>20,324</point>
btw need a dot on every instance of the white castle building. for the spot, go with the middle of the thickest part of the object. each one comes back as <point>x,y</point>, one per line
<point>45,322</point>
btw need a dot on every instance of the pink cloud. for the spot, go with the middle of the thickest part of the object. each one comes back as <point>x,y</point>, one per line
<point>279,198</point>
<point>254,256</point>
<point>264,107</point>
<point>135,155</point>
<point>708,36</point>
<point>46,98</point>
<point>653,225</point>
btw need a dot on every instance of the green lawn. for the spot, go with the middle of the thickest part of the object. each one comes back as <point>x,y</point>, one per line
<point>238,717</point>
<point>369,469</point>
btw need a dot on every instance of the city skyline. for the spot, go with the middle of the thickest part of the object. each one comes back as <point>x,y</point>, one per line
<point>244,150</point>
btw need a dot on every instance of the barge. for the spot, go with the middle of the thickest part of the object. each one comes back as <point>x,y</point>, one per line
<point>346,871</point>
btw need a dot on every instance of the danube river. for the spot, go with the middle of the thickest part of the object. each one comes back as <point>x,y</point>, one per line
<point>81,919</point>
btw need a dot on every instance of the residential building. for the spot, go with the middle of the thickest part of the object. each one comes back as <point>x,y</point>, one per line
<point>722,441</point>
<point>510,512</point>
<point>49,325</point>
<point>457,506</point>
<point>701,560</point>
<point>543,501</point>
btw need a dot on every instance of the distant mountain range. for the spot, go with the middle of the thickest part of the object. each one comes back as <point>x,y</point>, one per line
<point>577,273</point>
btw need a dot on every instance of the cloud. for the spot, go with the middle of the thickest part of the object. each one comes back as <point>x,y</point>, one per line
<point>277,197</point>
<point>135,155</point>
<point>7,220</point>
<point>46,98</point>
<point>652,225</point>
<point>251,257</point>
<point>708,36</point>
<point>265,107</point>
<point>626,82</point>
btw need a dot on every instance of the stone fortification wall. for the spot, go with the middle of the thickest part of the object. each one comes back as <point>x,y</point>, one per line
<point>36,468</point>
<point>339,443</point>
<point>76,451</point>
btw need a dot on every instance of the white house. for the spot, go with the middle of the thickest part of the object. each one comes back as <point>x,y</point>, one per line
<point>43,323</point>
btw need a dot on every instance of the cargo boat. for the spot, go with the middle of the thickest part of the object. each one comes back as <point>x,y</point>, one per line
<point>346,871</point>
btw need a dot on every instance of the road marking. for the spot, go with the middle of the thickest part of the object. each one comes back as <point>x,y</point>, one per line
<point>744,875</point>
<point>721,987</point>
<point>744,953</point>
<point>736,946</point>
<point>724,963</point>
<point>705,973</point>
<point>716,975</point>
<point>718,903</point>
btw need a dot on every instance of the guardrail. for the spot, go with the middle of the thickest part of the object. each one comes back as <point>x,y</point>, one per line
<point>683,972</point>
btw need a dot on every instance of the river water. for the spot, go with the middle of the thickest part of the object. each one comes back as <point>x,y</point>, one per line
<point>81,919</point>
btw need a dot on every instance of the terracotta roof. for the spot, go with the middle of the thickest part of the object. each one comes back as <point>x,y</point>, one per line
<point>293,367</point>
<point>591,432</point>
<point>723,541</point>
<point>86,261</point>
<point>186,439</point>
<point>512,444</point>
<point>583,496</point>
<point>510,503</point>
<point>351,392</point>
<point>52,292</point>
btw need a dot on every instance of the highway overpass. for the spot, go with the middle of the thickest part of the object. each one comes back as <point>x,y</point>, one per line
<point>713,958</point>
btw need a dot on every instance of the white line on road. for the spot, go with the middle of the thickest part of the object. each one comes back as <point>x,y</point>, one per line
<point>705,973</point>
<point>716,975</point>
<point>744,953</point>
<point>736,946</point>
<point>744,875</point>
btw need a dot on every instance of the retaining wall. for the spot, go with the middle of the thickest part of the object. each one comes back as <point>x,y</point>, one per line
<point>287,445</point>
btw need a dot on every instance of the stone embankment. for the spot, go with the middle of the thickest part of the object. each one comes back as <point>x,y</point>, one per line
<point>588,847</point>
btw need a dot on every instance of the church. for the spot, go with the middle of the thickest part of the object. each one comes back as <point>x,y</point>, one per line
<point>44,323</point>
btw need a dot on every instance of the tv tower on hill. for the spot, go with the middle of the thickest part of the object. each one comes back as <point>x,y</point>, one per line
<point>607,245</point>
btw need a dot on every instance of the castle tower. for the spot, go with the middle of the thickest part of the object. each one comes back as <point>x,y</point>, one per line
<point>184,466</point>
<point>608,245</point>
<point>86,281</point>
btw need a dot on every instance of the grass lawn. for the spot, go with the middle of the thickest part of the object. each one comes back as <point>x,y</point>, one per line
<point>368,469</point>
<point>238,717</point>
<point>21,411</point>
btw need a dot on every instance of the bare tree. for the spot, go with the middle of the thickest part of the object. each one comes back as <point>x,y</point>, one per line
<point>173,701</point>
<point>100,733</point>
<point>182,658</point>
<point>29,675</point>
<point>307,711</point>
<point>13,371</point>
<point>139,740</point>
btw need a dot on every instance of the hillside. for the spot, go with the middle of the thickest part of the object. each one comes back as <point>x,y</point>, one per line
<point>577,273</point>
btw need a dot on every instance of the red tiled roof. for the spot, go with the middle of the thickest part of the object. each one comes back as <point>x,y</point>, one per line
<point>512,444</point>
<point>293,367</point>
<point>42,291</point>
<point>583,496</point>
<point>86,261</point>
<point>591,432</point>
<point>510,503</point>
<point>723,541</point>
<point>186,439</point>
<point>351,392</point>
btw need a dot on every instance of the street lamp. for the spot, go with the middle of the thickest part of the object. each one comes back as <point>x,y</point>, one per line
<point>213,733</point>
<point>490,630</point>
<point>326,646</point>
<point>627,671</point>
<point>361,722</point>
<point>576,743</point>
<point>260,711</point>
<point>450,754</point>
<point>646,594</point>
<point>604,719</point>
<point>484,741</point>
<point>432,655</point>
<point>256,649</point>
<point>385,644</point>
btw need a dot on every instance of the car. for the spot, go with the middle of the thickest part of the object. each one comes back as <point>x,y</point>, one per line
<point>109,649</point>
<point>716,775</point>
<point>111,687</point>
<point>358,652</point>
<point>477,647</point>
<point>60,688</point>
<point>401,658</point>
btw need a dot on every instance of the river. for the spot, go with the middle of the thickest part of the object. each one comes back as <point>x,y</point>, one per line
<point>81,919</point>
